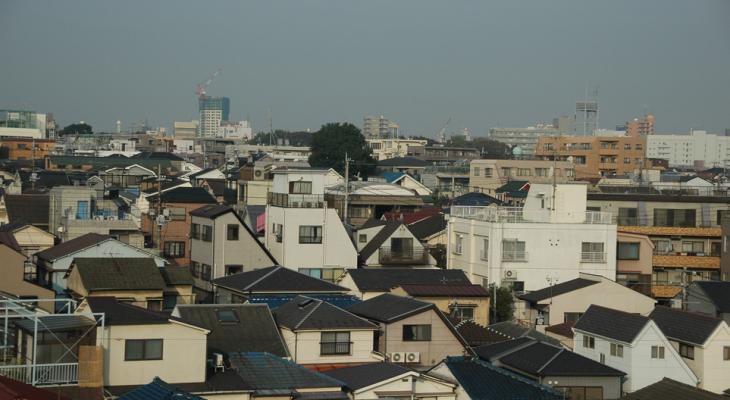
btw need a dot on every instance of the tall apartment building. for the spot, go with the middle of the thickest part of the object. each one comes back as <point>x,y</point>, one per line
<point>30,124</point>
<point>379,127</point>
<point>698,149</point>
<point>552,239</point>
<point>385,148</point>
<point>595,156</point>
<point>487,176</point>
<point>640,127</point>
<point>213,110</point>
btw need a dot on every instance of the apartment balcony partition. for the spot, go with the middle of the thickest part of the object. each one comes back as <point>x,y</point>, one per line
<point>286,200</point>
<point>592,257</point>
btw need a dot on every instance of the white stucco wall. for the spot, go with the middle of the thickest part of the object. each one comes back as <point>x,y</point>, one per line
<point>307,347</point>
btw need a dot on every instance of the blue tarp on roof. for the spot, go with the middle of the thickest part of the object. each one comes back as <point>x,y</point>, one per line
<point>274,301</point>
<point>391,177</point>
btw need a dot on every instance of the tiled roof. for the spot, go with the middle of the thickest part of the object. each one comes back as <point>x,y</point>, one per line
<point>11,389</point>
<point>158,390</point>
<point>542,359</point>
<point>686,261</point>
<point>382,279</point>
<point>610,323</point>
<point>264,371</point>
<point>563,329</point>
<point>439,290</point>
<point>668,389</point>
<point>409,217</point>
<point>665,291</point>
<point>8,239</point>
<point>254,329</point>
<point>684,326</point>
<point>477,335</point>
<point>186,195</point>
<point>175,276</point>
<point>475,199</point>
<point>72,246</point>
<point>482,380</point>
<point>277,279</point>
<point>428,226</point>
<point>515,188</point>
<point>389,308</point>
<point>488,351</point>
<point>211,211</point>
<point>557,290</point>
<point>372,222</point>
<point>31,208</point>
<point>717,293</point>
<point>376,241</point>
<point>513,331</point>
<point>119,313</point>
<point>275,301</point>
<point>99,274</point>
<point>672,231</point>
<point>306,313</point>
<point>365,375</point>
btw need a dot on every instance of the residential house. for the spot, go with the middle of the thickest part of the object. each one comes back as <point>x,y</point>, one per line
<point>562,332</point>
<point>344,339</point>
<point>369,283</point>
<point>53,263</point>
<point>407,181</point>
<point>221,244</point>
<point>440,153</point>
<point>390,243</point>
<point>475,199</point>
<point>405,165</point>
<point>553,238</point>
<point>460,302</point>
<point>488,175</point>
<point>139,345</point>
<point>138,281</point>
<point>669,389</point>
<point>431,230</point>
<point>126,176</point>
<point>235,328</point>
<point>631,343</point>
<point>575,375</point>
<point>368,200</point>
<point>412,332</point>
<point>513,193</point>
<point>374,381</point>
<point>481,380</point>
<point>634,260</point>
<point>450,179</point>
<point>702,341</point>
<point>724,251</point>
<point>567,301</point>
<point>19,276</point>
<point>302,231</point>
<point>28,208</point>
<point>710,298</point>
<point>31,239</point>
<point>171,233</point>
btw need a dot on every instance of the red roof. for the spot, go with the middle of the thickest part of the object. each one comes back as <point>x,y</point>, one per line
<point>446,290</point>
<point>14,390</point>
<point>411,216</point>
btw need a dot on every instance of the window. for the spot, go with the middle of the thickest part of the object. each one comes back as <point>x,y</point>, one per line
<point>693,247</point>
<point>581,392</point>
<point>592,252</point>
<point>662,246</point>
<point>174,249</point>
<point>657,352</point>
<point>506,172</point>
<point>523,172</point>
<point>142,349</point>
<point>513,250</point>
<point>233,269</point>
<point>488,172</point>
<point>628,251</point>
<point>276,231</point>
<point>82,209</point>
<point>627,216</point>
<point>458,242</point>
<point>325,274</point>
<point>627,160</point>
<point>485,249</point>
<point>206,233</point>
<point>674,217</point>
<point>463,313</point>
<point>300,187</point>
<point>205,272</point>
<point>195,269</point>
<point>547,146</point>
<point>627,146</point>
<point>334,343</point>
<point>195,231</point>
<point>310,234</point>
<point>416,333</point>
<point>638,146</point>
<point>721,214</point>
<point>232,232</point>
<point>571,316</point>
<point>177,214</point>
<point>603,358</point>
<point>589,342</point>
<point>726,353</point>
<point>476,171</point>
<point>227,315</point>
<point>617,350</point>
<point>542,172</point>
<point>362,238</point>
<point>687,351</point>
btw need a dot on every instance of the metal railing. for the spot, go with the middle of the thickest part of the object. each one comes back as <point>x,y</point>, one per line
<point>296,200</point>
<point>45,374</point>
<point>518,215</point>
<point>592,257</point>
<point>334,348</point>
<point>418,256</point>
<point>514,255</point>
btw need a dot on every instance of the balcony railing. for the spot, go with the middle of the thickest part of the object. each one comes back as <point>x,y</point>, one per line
<point>296,200</point>
<point>514,256</point>
<point>45,374</point>
<point>416,256</point>
<point>334,348</point>
<point>592,257</point>
<point>518,215</point>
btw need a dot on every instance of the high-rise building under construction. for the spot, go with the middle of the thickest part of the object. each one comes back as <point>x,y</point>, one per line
<point>213,111</point>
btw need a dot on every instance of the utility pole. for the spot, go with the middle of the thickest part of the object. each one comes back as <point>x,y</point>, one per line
<point>158,217</point>
<point>347,187</point>
<point>32,165</point>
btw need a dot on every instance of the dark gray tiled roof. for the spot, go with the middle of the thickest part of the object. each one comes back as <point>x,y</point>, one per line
<point>492,350</point>
<point>189,195</point>
<point>255,330</point>
<point>390,308</point>
<point>428,226</point>
<point>514,331</point>
<point>366,375</point>
<point>612,324</point>
<point>669,389</point>
<point>306,313</point>
<point>557,290</point>
<point>31,208</point>
<point>118,313</point>
<point>211,211</point>
<point>264,371</point>
<point>119,274</point>
<point>477,335</point>
<point>72,246</point>
<point>684,326</point>
<point>158,390</point>
<point>277,279</point>
<point>717,292</point>
<point>376,241</point>
<point>175,276</point>
<point>382,280</point>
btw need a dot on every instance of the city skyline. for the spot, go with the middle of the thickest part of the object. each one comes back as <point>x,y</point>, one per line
<point>483,65</point>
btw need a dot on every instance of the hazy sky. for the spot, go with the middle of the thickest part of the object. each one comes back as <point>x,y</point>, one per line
<point>483,63</point>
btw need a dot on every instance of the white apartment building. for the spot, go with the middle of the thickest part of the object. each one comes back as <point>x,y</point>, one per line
<point>302,233</point>
<point>185,129</point>
<point>384,149</point>
<point>235,130</point>
<point>551,239</point>
<point>697,149</point>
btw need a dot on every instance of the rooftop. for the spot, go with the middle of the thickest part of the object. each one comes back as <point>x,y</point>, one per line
<point>557,290</point>
<point>276,279</point>
<point>718,293</point>
<point>668,389</point>
<point>390,308</point>
<point>158,390</point>
<point>72,246</point>
<point>264,371</point>
<point>685,326</point>
<point>441,290</point>
<point>518,215</point>
<point>212,211</point>
<point>306,313</point>
<point>612,324</point>
<point>120,313</point>
<point>365,375</point>
<point>383,280</point>
<point>99,274</point>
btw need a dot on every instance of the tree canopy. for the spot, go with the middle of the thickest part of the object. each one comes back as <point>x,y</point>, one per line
<point>487,147</point>
<point>77,129</point>
<point>333,140</point>
<point>505,303</point>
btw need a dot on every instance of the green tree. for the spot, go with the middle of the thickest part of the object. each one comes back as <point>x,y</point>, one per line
<point>488,148</point>
<point>77,129</point>
<point>505,303</point>
<point>333,140</point>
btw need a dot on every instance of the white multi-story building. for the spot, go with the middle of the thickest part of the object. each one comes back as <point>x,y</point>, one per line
<point>551,239</point>
<point>384,149</point>
<point>379,127</point>
<point>697,149</point>
<point>302,233</point>
<point>235,130</point>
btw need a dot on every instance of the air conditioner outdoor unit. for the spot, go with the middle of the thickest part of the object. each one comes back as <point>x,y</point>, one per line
<point>413,357</point>
<point>509,274</point>
<point>218,362</point>
<point>397,357</point>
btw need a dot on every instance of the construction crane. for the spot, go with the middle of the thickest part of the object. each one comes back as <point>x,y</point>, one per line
<point>201,88</point>
<point>441,137</point>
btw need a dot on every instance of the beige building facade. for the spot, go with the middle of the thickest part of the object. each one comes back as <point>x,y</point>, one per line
<point>595,156</point>
<point>487,176</point>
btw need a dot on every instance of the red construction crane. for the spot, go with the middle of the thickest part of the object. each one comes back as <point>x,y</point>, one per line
<point>200,88</point>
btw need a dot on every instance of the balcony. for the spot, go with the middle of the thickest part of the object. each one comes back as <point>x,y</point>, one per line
<point>388,256</point>
<point>296,200</point>
<point>514,256</point>
<point>517,215</point>
<point>42,374</point>
<point>592,257</point>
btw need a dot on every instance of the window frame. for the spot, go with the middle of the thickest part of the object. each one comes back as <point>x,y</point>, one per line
<point>236,232</point>
<point>178,245</point>
<point>206,233</point>
<point>144,343</point>
<point>415,337</point>
<point>589,342</point>
<point>687,351</point>
<point>314,238</point>
<point>300,187</point>
<point>657,352</point>
<point>619,245</point>
<point>617,350</point>
<point>335,343</point>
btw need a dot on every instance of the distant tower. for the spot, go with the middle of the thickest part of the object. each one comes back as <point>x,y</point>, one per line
<point>119,126</point>
<point>586,114</point>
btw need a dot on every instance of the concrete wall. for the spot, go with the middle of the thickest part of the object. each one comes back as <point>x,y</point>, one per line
<point>482,182</point>
<point>306,344</point>
<point>705,213</point>
<point>426,388</point>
